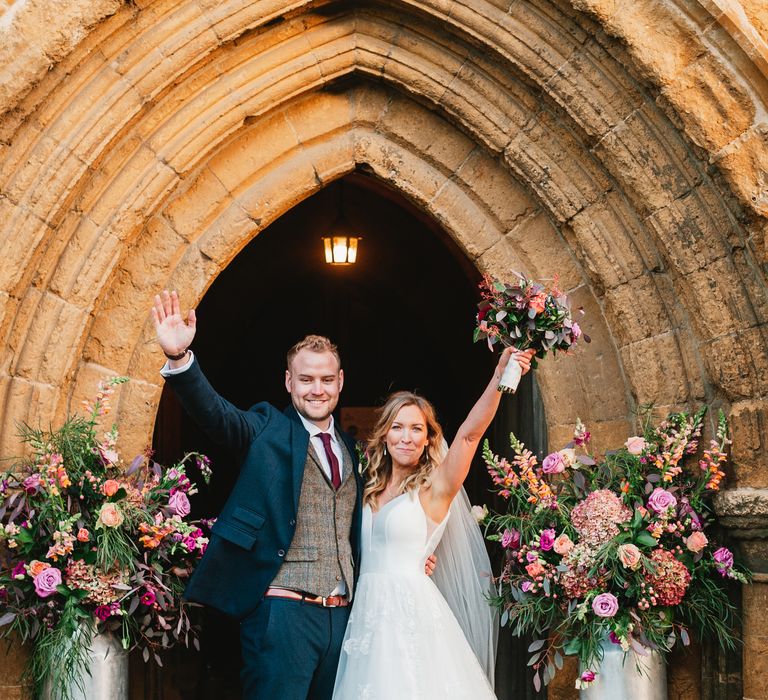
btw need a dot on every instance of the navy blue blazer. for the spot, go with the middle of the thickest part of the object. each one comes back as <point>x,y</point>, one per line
<point>256,526</point>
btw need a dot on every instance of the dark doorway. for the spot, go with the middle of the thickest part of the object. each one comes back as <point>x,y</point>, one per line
<point>402,317</point>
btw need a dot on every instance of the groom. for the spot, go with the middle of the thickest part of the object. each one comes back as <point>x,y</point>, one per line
<point>285,550</point>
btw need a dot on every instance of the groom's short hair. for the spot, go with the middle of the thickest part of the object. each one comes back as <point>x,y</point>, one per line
<point>314,343</point>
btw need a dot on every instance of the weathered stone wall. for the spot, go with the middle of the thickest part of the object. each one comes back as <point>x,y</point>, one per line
<point>624,145</point>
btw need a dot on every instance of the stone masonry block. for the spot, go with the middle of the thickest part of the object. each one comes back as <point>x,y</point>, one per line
<point>658,33</point>
<point>24,401</point>
<point>554,164</point>
<point>748,422</point>
<point>737,363</point>
<point>714,106</point>
<point>595,90</point>
<point>491,183</point>
<point>717,299</point>
<point>637,310</point>
<point>192,211</point>
<point>264,142</point>
<point>655,369</point>
<point>465,217</point>
<point>540,244</point>
<point>745,166</point>
<point>54,331</point>
<point>319,115</point>
<point>649,159</point>
<point>689,236</point>
<point>435,138</point>
<point>228,234</point>
<point>603,241</point>
<point>283,186</point>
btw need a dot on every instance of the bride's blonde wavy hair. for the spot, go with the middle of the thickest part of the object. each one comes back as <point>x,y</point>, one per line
<point>380,463</point>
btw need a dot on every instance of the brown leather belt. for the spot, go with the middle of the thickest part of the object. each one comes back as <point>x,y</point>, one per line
<point>332,601</point>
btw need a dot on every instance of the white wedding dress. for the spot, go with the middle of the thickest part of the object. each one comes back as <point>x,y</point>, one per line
<point>402,641</point>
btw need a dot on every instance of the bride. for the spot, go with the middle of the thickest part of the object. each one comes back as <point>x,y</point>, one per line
<point>403,640</point>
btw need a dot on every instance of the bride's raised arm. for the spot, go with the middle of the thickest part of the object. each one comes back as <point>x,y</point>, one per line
<point>449,476</point>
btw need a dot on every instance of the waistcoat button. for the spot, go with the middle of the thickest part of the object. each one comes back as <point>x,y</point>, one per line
<point>293,522</point>
<point>280,552</point>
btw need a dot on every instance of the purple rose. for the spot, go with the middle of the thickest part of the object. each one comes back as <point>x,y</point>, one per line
<point>178,503</point>
<point>546,540</point>
<point>723,560</point>
<point>189,543</point>
<point>660,501</point>
<point>46,582</point>
<point>527,585</point>
<point>605,605</point>
<point>510,539</point>
<point>553,463</point>
<point>532,556</point>
<point>32,484</point>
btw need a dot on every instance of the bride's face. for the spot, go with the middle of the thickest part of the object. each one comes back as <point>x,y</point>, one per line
<point>407,437</point>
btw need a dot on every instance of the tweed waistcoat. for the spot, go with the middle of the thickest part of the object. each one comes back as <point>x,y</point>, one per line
<point>320,555</point>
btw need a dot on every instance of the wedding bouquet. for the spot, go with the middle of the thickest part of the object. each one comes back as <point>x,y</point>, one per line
<point>90,545</point>
<point>525,314</point>
<point>617,549</point>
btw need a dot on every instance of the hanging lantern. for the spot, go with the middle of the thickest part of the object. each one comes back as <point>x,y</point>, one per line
<point>340,250</point>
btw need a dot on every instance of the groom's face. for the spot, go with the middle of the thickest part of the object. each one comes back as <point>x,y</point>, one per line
<point>314,381</point>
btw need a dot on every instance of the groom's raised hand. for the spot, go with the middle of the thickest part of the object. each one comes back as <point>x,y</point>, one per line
<point>174,334</point>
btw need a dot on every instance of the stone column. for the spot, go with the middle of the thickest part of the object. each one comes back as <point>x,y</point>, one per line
<point>744,513</point>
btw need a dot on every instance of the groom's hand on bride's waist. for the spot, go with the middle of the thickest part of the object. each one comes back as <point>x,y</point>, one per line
<point>429,565</point>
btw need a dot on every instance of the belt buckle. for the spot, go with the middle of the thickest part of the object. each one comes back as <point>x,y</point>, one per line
<point>326,604</point>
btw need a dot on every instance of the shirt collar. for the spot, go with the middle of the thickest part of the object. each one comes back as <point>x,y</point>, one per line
<point>314,430</point>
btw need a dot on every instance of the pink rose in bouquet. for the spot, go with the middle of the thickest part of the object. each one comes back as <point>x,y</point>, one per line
<point>661,500</point>
<point>635,445</point>
<point>605,605</point>
<point>178,504</point>
<point>46,582</point>
<point>110,515</point>
<point>563,544</point>
<point>629,556</point>
<point>553,464</point>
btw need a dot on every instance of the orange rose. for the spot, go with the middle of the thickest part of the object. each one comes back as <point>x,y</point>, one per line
<point>83,535</point>
<point>534,569</point>
<point>538,302</point>
<point>696,541</point>
<point>36,567</point>
<point>110,488</point>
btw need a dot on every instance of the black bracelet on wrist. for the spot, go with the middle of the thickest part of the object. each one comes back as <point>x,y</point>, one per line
<point>178,357</point>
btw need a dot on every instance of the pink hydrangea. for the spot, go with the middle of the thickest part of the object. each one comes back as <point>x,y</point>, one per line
<point>598,516</point>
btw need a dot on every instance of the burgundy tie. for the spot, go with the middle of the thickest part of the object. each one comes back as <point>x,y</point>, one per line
<point>335,475</point>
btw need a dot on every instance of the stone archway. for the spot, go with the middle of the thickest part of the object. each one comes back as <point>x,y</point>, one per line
<point>171,133</point>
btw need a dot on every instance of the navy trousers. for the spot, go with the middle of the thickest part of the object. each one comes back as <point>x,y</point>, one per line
<point>291,650</point>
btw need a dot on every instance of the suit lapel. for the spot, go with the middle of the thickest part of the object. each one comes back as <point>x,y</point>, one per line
<point>299,448</point>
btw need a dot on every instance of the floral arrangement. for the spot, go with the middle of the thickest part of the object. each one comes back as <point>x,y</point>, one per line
<point>90,545</point>
<point>526,314</point>
<point>616,550</point>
